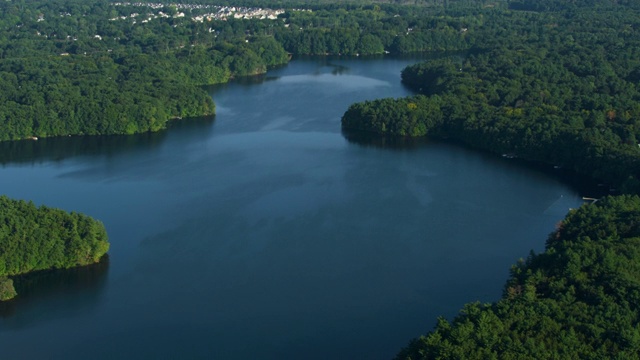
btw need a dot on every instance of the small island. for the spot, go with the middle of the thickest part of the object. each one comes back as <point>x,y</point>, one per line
<point>41,238</point>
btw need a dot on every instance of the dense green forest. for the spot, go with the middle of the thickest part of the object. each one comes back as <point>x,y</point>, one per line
<point>555,87</point>
<point>545,80</point>
<point>40,238</point>
<point>74,67</point>
<point>580,299</point>
<point>71,67</point>
<point>554,82</point>
<point>66,69</point>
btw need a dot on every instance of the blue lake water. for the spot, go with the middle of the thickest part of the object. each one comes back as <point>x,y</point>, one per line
<point>267,233</point>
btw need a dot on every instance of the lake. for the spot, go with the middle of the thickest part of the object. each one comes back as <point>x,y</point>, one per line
<point>267,233</point>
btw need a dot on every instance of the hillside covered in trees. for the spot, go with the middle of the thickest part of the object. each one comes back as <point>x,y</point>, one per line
<point>70,67</point>
<point>552,82</point>
<point>66,69</point>
<point>545,80</point>
<point>41,238</point>
<point>555,87</point>
<point>578,299</point>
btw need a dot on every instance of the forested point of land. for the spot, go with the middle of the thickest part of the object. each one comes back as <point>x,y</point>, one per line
<point>559,87</point>
<point>75,67</point>
<point>72,67</point>
<point>580,299</point>
<point>553,82</point>
<point>545,80</point>
<point>41,238</point>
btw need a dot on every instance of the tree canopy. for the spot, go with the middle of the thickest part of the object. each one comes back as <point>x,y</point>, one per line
<point>578,299</point>
<point>543,86</point>
<point>40,238</point>
<point>557,84</point>
<point>70,67</point>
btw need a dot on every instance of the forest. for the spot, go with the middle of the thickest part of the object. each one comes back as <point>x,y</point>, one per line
<point>74,67</point>
<point>557,83</point>
<point>559,88</point>
<point>41,238</point>
<point>578,300</point>
<point>71,67</point>
<point>547,81</point>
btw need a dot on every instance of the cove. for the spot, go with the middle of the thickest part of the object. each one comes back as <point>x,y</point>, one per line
<point>267,233</point>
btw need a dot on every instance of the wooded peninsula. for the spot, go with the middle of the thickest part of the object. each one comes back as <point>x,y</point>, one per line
<point>556,83</point>
<point>547,81</point>
<point>72,67</point>
<point>40,238</point>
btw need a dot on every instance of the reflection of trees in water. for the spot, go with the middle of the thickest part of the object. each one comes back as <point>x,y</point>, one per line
<point>369,139</point>
<point>57,149</point>
<point>45,285</point>
<point>339,69</point>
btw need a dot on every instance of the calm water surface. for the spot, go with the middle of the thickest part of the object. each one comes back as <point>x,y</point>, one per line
<point>266,234</point>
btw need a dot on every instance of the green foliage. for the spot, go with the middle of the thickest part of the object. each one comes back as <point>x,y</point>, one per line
<point>39,238</point>
<point>7,291</point>
<point>413,116</point>
<point>70,67</point>
<point>67,69</point>
<point>369,30</point>
<point>578,299</point>
<point>558,87</point>
<point>537,85</point>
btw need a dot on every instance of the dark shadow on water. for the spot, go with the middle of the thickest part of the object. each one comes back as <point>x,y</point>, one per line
<point>369,139</point>
<point>584,185</point>
<point>44,286</point>
<point>60,148</point>
<point>190,126</point>
<point>57,149</point>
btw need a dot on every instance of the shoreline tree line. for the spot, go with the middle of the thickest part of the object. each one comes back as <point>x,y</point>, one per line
<point>552,82</point>
<point>72,67</point>
<point>544,80</point>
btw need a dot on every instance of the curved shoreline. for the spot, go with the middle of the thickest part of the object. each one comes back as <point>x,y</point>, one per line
<point>44,238</point>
